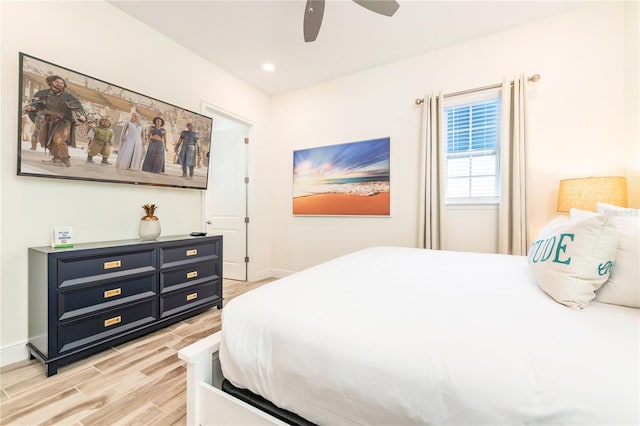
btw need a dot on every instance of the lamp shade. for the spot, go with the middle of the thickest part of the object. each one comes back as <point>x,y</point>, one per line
<point>584,193</point>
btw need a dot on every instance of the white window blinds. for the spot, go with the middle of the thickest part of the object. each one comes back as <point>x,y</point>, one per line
<point>472,138</point>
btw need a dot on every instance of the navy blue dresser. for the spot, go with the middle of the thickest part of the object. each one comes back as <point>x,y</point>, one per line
<point>85,299</point>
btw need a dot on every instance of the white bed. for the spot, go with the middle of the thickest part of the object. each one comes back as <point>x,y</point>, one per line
<point>400,336</point>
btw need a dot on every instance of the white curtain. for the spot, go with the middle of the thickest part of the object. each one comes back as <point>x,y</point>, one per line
<point>512,213</point>
<point>431,178</point>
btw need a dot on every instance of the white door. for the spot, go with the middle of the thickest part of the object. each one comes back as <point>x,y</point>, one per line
<point>226,196</point>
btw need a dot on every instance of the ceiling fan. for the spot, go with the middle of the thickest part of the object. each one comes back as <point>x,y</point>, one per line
<point>314,11</point>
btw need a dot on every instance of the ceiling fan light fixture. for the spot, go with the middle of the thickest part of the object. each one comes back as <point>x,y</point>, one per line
<point>382,7</point>
<point>314,11</point>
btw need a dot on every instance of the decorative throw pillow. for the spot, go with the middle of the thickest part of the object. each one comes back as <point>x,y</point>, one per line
<point>571,259</point>
<point>623,286</point>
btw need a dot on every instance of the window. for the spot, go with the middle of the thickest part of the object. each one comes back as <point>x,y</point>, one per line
<point>473,143</point>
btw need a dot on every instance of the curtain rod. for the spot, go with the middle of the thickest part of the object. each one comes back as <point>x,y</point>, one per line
<point>534,78</point>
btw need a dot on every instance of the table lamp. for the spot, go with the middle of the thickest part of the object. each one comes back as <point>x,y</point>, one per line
<point>584,193</point>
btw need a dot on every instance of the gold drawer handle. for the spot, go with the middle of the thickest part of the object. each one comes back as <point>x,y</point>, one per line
<point>112,321</point>
<point>114,264</point>
<point>192,274</point>
<point>192,296</point>
<point>111,293</point>
<point>192,252</point>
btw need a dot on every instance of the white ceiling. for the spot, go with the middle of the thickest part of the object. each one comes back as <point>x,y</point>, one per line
<point>240,35</point>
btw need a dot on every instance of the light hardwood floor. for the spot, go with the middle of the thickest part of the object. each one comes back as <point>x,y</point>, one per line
<point>141,382</point>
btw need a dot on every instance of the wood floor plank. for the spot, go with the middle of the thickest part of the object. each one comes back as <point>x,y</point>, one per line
<point>199,327</point>
<point>162,337</point>
<point>68,410</point>
<point>171,360</point>
<point>114,411</point>
<point>47,390</point>
<point>146,414</point>
<point>194,337</point>
<point>48,408</point>
<point>132,360</point>
<point>113,385</point>
<point>19,372</point>
<point>173,393</point>
<point>174,410</point>
<point>140,382</point>
<point>86,362</point>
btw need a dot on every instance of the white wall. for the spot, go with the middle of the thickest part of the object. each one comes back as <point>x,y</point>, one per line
<point>99,40</point>
<point>578,124</point>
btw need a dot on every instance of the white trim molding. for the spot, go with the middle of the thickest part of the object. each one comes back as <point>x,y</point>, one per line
<point>14,353</point>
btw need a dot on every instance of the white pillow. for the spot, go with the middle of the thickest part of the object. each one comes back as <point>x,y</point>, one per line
<point>577,214</point>
<point>623,286</point>
<point>571,259</point>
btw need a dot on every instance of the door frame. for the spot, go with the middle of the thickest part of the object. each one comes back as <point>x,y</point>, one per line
<point>211,110</point>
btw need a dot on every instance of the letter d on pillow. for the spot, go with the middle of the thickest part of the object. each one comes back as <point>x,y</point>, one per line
<point>572,259</point>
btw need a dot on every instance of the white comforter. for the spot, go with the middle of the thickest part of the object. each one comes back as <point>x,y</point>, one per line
<point>398,336</point>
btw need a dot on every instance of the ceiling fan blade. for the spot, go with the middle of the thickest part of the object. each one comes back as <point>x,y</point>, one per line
<point>313,12</point>
<point>383,7</point>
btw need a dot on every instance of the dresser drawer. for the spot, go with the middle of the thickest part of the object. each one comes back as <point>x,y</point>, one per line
<point>88,268</point>
<point>80,300</point>
<point>189,298</point>
<point>95,328</point>
<point>190,251</point>
<point>188,275</point>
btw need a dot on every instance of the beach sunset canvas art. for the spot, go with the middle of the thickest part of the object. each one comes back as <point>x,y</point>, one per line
<point>346,179</point>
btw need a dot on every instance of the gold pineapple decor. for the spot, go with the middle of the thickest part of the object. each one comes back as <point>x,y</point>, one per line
<point>150,210</point>
<point>149,228</point>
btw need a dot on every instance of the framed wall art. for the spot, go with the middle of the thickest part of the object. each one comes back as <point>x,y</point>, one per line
<point>345,179</point>
<point>73,126</point>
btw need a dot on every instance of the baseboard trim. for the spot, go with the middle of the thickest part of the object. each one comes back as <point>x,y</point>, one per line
<point>281,273</point>
<point>269,273</point>
<point>14,353</point>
